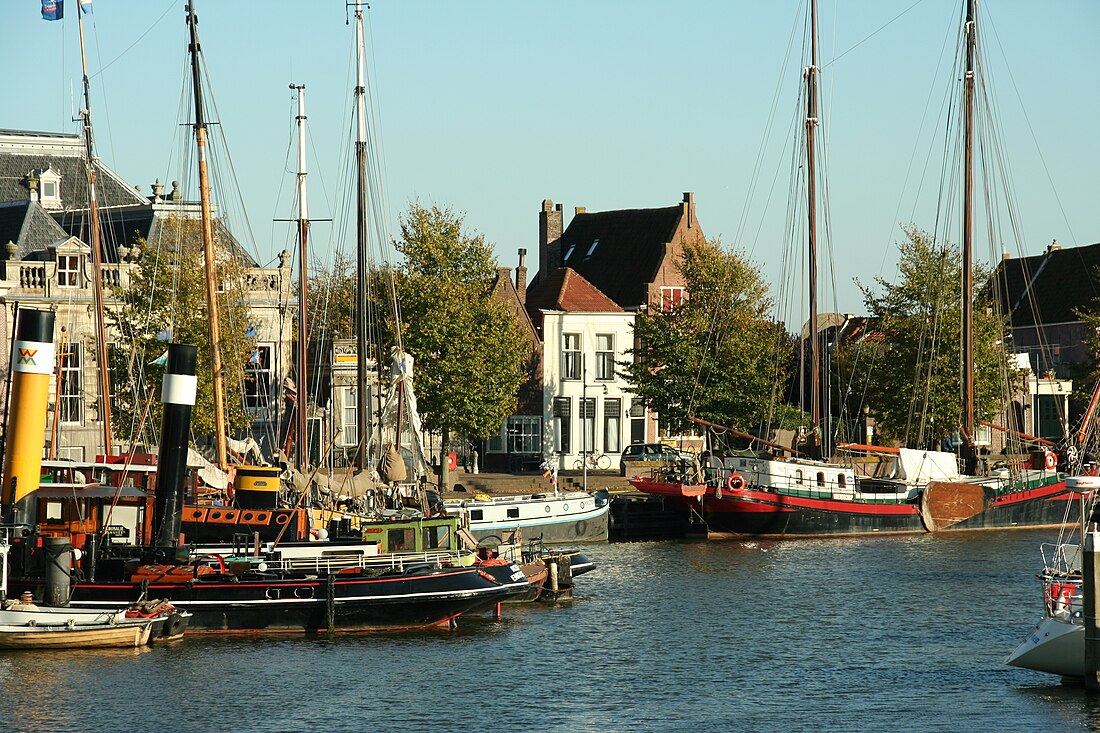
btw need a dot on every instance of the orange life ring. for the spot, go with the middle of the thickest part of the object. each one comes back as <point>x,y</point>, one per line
<point>1051,460</point>
<point>735,482</point>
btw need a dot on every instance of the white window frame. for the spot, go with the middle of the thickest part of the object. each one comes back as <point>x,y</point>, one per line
<point>71,388</point>
<point>68,271</point>
<point>349,413</point>
<point>605,357</point>
<point>572,363</point>
<point>256,400</point>
<point>672,296</point>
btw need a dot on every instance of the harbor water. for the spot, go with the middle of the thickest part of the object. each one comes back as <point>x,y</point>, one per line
<point>880,633</point>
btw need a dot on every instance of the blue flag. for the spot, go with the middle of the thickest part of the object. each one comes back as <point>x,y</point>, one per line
<point>164,334</point>
<point>161,360</point>
<point>53,9</point>
<point>250,332</point>
<point>255,358</point>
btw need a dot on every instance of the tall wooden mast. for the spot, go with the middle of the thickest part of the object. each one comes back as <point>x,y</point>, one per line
<point>967,377</point>
<point>811,209</point>
<point>208,242</point>
<point>362,408</point>
<point>303,285</point>
<point>104,381</point>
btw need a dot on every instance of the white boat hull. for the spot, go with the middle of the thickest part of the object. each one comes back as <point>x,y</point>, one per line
<point>565,518</point>
<point>1055,646</point>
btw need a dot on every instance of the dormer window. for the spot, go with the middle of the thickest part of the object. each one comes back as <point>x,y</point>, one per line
<point>49,189</point>
<point>68,271</point>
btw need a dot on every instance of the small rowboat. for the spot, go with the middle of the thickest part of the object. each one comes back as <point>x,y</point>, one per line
<point>76,636</point>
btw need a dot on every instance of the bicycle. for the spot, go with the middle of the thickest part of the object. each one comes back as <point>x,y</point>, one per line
<point>595,460</point>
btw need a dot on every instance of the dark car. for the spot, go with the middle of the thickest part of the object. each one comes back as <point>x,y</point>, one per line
<point>655,453</point>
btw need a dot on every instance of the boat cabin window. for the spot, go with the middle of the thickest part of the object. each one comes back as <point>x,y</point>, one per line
<point>476,515</point>
<point>401,540</point>
<point>820,478</point>
<point>513,512</point>
<point>53,511</point>
<point>841,480</point>
<point>798,477</point>
<point>435,537</point>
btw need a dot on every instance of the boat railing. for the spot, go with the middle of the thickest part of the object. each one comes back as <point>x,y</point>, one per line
<point>334,563</point>
<point>1062,557</point>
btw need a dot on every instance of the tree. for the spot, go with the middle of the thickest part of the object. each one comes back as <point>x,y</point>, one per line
<point>911,377</point>
<point>166,299</point>
<point>716,356</point>
<point>468,346</point>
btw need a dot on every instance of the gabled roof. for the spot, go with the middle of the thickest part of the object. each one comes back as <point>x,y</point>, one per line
<point>564,289</point>
<point>620,251</point>
<point>1048,288</point>
<point>30,227</point>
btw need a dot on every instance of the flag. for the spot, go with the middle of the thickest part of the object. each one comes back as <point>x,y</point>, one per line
<point>251,332</point>
<point>164,334</point>
<point>161,360</point>
<point>53,9</point>
<point>255,358</point>
<point>85,6</point>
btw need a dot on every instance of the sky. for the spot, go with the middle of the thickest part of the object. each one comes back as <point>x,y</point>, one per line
<point>488,107</point>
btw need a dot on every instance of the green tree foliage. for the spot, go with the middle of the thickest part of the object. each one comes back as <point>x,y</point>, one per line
<point>468,346</point>
<point>168,292</point>
<point>910,362</point>
<point>716,356</point>
<point>333,294</point>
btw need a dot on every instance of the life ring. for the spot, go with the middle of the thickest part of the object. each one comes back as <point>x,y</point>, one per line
<point>735,482</point>
<point>1051,460</point>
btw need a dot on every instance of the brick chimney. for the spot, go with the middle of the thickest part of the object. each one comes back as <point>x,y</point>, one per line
<point>521,277</point>
<point>688,209</point>
<point>550,229</point>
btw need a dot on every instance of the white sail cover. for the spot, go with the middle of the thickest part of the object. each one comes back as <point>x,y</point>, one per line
<point>401,396</point>
<point>922,466</point>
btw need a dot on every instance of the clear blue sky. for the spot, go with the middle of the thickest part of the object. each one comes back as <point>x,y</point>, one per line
<point>489,107</point>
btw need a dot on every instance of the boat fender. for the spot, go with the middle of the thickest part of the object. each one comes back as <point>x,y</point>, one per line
<point>173,625</point>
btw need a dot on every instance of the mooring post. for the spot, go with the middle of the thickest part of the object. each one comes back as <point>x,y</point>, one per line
<point>1092,611</point>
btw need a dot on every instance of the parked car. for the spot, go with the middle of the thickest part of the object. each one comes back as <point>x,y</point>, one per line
<point>656,453</point>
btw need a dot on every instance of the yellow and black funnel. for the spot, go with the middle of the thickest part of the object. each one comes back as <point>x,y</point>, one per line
<point>31,372</point>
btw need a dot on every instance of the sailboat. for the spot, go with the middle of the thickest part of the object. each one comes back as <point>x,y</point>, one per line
<point>230,589</point>
<point>762,493</point>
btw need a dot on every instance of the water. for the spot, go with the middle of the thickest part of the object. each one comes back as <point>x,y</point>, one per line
<point>865,634</point>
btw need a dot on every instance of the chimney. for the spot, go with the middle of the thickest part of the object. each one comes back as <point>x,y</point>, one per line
<point>688,208</point>
<point>550,229</point>
<point>578,210</point>
<point>521,277</point>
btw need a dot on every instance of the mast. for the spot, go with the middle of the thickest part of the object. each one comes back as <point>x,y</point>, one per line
<point>967,377</point>
<point>362,408</point>
<point>811,266</point>
<point>208,241</point>
<point>303,284</point>
<point>104,380</point>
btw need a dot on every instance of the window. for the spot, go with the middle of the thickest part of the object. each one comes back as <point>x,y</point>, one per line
<point>524,434</point>
<point>258,373</point>
<point>841,480</point>
<point>592,248</point>
<point>612,419</point>
<point>569,252</point>
<point>637,421</point>
<point>671,297</point>
<point>70,396</point>
<point>495,444</point>
<point>562,424</point>
<point>820,478</point>
<point>588,424</point>
<point>571,356</point>
<point>68,271</point>
<point>349,435</point>
<point>605,356</point>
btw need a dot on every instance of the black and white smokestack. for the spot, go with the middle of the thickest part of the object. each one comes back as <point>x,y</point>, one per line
<point>178,395</point>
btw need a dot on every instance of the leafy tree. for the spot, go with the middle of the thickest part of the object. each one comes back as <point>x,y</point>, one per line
<point>911,377</point>
<point>167,295</point>
<point>468,345</point>
<point>715,356</point>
